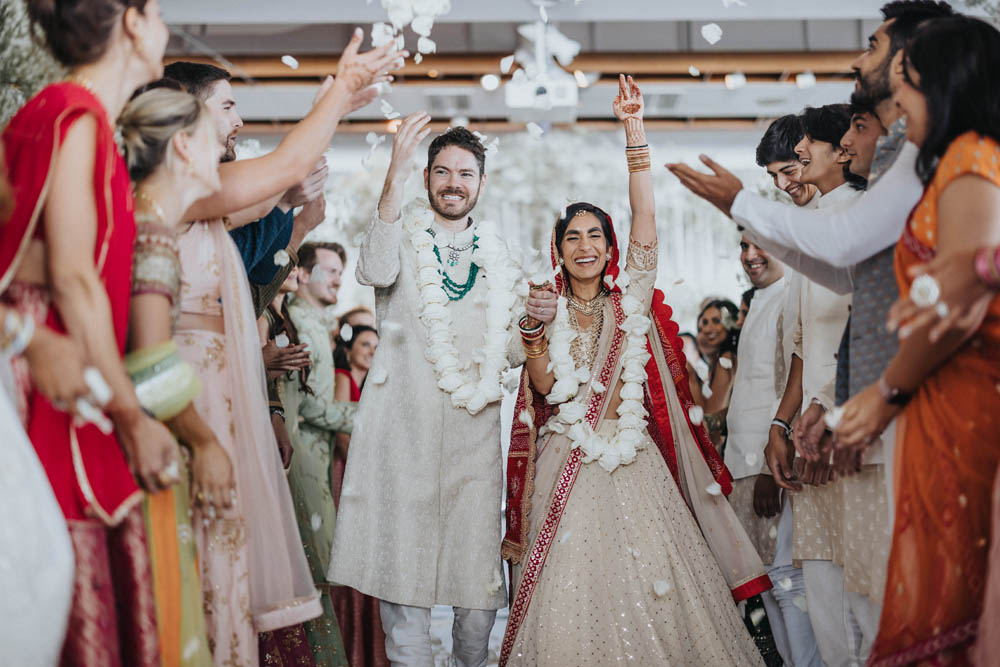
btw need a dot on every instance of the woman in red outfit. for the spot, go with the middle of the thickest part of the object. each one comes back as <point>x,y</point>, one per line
<point>358,614</point>
<point>66,261</point>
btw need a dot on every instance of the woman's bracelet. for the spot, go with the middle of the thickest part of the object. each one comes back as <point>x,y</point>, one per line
<point>637,158</point>
<point>17,332</point>
<point>784,426</point>
<point>988,266</point>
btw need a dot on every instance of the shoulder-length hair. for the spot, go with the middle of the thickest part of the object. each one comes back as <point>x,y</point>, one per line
<point>958,61</point>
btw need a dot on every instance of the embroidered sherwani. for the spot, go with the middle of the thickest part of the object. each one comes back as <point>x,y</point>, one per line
<point>419,519</point>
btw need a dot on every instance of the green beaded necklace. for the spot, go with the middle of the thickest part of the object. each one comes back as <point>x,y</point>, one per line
<point>456,291</point>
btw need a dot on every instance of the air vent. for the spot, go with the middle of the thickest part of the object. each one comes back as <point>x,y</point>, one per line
<point>448,104</point>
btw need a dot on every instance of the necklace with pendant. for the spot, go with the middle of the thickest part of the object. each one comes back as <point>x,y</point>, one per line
<point>588,307</point>
<point>454,290</point>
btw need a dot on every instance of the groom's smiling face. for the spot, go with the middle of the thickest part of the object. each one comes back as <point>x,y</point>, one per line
<point>453,183</point>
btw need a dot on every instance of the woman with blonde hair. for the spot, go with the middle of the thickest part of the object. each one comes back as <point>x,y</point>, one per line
<point>173,157</point>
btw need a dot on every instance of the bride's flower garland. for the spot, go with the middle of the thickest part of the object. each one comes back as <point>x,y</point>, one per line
<point>629,435</point>
<point>500,277</point>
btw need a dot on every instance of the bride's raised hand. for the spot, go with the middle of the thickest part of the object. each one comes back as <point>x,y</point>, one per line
<point>628,103</point>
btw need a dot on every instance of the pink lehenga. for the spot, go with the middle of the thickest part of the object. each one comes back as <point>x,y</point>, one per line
<point>253,570</point>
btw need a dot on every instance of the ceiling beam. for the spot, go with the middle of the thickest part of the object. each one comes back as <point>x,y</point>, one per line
<point>505,127</point>
<point>645,64</point>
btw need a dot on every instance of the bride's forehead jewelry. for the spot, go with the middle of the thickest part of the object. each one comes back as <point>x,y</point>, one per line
<point>580,212</point>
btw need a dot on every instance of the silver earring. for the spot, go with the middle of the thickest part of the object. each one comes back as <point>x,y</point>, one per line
<point>608,257</point>
<point>561,261</point>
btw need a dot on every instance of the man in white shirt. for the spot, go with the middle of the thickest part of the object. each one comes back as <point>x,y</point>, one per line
<point>756,499</point>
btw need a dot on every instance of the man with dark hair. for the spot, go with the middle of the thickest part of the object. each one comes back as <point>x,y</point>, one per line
<point>776,154</point>
<point>417,524</point>
<point>260,240</point>
<point>820,151</point>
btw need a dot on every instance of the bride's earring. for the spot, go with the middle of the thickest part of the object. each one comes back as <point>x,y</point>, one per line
<point>561,261</point>
<point>608,257</point>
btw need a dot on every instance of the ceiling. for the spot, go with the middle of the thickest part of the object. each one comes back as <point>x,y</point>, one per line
<point>769,42</point>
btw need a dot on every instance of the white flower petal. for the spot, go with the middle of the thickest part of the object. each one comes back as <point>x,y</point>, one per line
<point>315,521</point>
<point>773,532</point>
<point>661,587</point>
<point>422,25</point>
<point>290,61</point>
<point>706,391</point>
<point>714,489</point>
<point>281,340</point>
<point>426,45</point>
<point>711,32</point>
<point>506,63</point>
<point>535,130</point>
<point>696,414</point>
<point>833,417</point>
<point>382,33</point>
<point>785,584</point>
<point>725,362</point>
<point>281,258</point>
<point>756,616</point>
<point>418,58</point>
<point>525,418</point>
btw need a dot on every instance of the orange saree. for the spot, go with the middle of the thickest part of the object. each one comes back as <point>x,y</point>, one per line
<point>947,452</point>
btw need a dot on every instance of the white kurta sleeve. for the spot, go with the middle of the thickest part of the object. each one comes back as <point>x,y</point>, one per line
<point>844,237</point>
<point>378,261</point>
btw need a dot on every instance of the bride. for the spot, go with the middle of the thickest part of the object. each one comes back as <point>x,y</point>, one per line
<point>623,543</point>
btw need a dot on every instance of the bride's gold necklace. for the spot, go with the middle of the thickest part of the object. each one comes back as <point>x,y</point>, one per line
<point>589,307</point>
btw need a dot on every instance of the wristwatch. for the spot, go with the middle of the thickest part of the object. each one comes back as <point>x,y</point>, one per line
<point>892,395</point>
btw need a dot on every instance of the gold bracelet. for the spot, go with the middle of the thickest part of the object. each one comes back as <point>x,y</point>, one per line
<point>536,351</point>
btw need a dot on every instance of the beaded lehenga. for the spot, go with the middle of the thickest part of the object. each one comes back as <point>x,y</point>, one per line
<point>615,565</point>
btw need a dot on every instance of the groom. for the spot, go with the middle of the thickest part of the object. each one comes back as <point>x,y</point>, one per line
<point>419,521</point>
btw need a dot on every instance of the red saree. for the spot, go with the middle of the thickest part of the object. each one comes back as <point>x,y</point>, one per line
<point>946,460</point>
<point>86,468</point>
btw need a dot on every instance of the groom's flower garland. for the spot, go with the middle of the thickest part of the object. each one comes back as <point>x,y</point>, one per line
<point>500,277</point>
<point>630,434</point>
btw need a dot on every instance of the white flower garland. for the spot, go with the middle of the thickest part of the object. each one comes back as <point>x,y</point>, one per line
<point>630,433</point>
<point>500,277</point>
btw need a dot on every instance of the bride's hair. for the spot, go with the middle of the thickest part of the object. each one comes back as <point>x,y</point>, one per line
<point>148,125</point>
<point>576,209</point>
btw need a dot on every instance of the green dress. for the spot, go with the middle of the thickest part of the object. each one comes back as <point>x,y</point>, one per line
<point>311,418</point>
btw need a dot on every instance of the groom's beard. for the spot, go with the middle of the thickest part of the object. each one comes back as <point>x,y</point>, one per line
<point>453,210</point>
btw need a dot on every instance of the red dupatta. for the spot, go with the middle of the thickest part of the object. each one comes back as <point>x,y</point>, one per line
<point>87,469</point>
<point>520,464</point>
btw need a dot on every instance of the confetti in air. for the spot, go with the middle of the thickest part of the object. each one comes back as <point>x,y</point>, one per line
<point>694,71</point>
<point>346,332</point>
<point>535,130</point>
<point>833,417</point>
<point>506,63</point>
<point>756,616</point>
<point>418,58</point>
<point>714,489</point>
<point>426,45</point>
<point>290,61</point>
<point>387,110</point>
<point>696,414</point>
<point>711,32</point>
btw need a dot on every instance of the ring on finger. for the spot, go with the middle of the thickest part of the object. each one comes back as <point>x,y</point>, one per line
<point>941,309</point>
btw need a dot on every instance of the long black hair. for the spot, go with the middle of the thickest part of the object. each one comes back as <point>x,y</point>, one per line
<point>957,60</point>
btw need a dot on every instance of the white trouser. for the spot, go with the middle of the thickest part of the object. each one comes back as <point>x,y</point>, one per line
<point>408,635</point>
<point>845,624</point>
<point>786,604</point>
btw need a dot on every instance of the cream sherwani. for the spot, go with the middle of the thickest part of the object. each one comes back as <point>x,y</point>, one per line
<point>420,518</point>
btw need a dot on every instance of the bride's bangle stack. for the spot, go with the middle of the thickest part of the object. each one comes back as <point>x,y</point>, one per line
<point>533,339</point>
<point>988,266</point>
<point>638,158</point>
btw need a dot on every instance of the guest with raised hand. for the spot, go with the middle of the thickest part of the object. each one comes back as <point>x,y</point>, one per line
<point>593,434</point>
<point>65,259</point>
<point>173,158</point>
<point>946,391</point>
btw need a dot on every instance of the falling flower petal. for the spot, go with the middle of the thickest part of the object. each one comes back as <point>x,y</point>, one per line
<point>925,291</point>
<point>422,25</point>
<point>773,533</point>
<point>371,138</point>
<point>525,418</point>
<point>281,258</point>
<point>315,521</point>
<point>696,414</point>
<point>714,489</point>
<point>800,602</point>
<point>786,584</point>
<point>694,71</point>
<point>756,616</point>
<point>706,391</point>
<point>833,417</point>
<point>346,332</point>
<point>290,61</point>
<point>418,58</point>
<point>711,32</point>
<point>506,63</point>
<point>542,13</point>
<point>535,130</point>
<point>382,33</point>
<point>725,363</point>
<point>426,45</point>
<point>281,340</point>
<point>661,588</point>
<point>598,387</point>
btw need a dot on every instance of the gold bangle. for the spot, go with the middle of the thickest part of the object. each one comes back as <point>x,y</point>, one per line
<point>536,351</point>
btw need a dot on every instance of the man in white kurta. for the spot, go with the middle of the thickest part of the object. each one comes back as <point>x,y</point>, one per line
<point>420,511</point>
